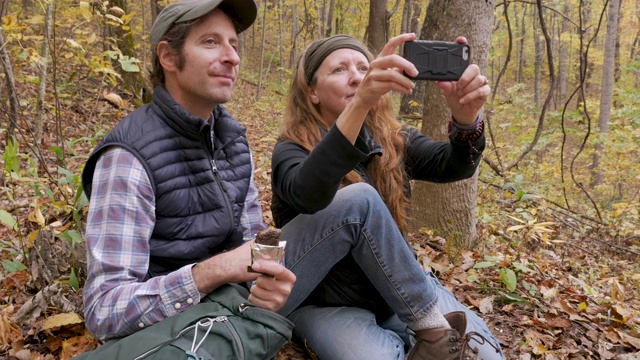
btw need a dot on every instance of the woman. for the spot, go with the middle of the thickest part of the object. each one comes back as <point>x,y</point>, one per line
<point>340,173</point>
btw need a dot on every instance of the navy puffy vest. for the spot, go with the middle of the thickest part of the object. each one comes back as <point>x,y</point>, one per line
<point>198,208</point>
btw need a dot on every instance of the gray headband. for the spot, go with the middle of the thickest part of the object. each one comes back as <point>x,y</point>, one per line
<point>319,50</point>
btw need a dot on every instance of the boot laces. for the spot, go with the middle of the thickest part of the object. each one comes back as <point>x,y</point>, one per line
<point>466,347</point>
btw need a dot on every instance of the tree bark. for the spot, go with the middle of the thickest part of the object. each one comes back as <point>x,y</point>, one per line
<point>42,67</point>
<point>406,16</point>
<point>522,58</point>
<point>12,122</point>
<point>563,58</point>
<point>539,50</point>
<point>616,69</point>
<point>607,89</point>
<point>408,101</point>
<point>329,20</point>
<point>637,45</point>
<point>415,19</point>
<point>376,29</point>
<point>264,39</point>
<point>155,10</point>
<point>449,209</point>
<point>295,32</point>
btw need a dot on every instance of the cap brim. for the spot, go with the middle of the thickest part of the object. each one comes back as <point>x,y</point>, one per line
<point>243,12</point>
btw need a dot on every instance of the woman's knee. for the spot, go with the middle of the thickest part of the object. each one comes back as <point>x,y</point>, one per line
<point>360,195</point>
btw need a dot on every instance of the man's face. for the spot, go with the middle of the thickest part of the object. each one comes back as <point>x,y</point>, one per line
<point>210,67</point>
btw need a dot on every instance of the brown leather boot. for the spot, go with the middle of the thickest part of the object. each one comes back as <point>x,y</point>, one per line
<point>441,343</point>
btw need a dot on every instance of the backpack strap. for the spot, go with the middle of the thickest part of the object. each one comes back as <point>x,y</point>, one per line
<point>185,345</point>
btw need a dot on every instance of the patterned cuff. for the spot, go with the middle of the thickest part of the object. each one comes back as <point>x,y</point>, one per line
<point>466,133</point>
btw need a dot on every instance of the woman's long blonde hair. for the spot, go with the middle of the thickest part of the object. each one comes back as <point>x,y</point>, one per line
<point>303,125</point>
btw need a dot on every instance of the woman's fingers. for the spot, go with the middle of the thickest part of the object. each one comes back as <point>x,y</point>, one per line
<point>392,45</point>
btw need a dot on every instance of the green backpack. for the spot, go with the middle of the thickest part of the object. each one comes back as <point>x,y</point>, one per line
<point>225,325</point>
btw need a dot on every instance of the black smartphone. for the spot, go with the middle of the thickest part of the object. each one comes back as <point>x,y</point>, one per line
<point>437,60</point>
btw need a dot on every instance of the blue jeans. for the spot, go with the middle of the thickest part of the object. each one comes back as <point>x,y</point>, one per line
<point>358,282</point>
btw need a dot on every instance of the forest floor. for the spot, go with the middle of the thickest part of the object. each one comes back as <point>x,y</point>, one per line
<point>560,287</point>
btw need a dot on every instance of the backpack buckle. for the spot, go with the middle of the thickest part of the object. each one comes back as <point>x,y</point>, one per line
<point>191,355</point>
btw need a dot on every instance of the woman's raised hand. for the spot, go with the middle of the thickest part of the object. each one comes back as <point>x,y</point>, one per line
<point>386,73</point>
<point>468,95</point>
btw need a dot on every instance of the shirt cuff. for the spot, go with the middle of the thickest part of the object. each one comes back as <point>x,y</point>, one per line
<point>466,133</point>
<point>180,291</point>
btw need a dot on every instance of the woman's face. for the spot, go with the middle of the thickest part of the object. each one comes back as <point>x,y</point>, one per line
<point>337,81</point>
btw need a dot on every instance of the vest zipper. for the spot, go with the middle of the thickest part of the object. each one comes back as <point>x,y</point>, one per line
<point>225,195</point>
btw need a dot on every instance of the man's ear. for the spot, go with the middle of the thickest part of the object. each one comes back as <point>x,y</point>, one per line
<point>166,56</point>
<point>313,95</point>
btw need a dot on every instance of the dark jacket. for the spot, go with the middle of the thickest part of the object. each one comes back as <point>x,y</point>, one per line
<point>199,192</point>
<point>306,183</point>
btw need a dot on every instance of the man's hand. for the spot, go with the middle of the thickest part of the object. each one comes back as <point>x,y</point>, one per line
<point>271,290</point>
<point>225,268</point>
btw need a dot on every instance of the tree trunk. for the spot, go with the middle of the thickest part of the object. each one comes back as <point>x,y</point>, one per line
<point>637,45</point>
<point>406,16</point>
<point>295,32</point>
<point>321,14</point>
<point>42,67</point>
<point>584,75</point>
<point>408,101</point>
<point>415,19</point>
<point>607,88</point>
<point>264,39</point>
<point>539,50</point>
<point>280,6</point>
<point>376,29</point>
<point>449,209</point>
<point>155,10</point>
<point>563,58</point>
<point>12,122</point>
<point>329,20</point>
<point>616,69</point>
<point>522,58</point>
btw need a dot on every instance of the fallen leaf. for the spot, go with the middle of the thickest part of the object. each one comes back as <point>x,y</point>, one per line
<point>557,321</point>
<point>621,314</point>
<point>617,292</point>
<point>76,346</point>
<point>568,309</point>
<point>486,305</point>
<point>114,99</point>
<point>550,293</point>
<point>472,301</point>
<point>60,320</point>
<point>36,215</point>
<point>9,331</point>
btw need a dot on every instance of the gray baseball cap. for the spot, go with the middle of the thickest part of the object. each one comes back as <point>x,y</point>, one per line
<point>243,12</point>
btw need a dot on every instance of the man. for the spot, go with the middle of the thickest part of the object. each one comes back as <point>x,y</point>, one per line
<point>171,186</point>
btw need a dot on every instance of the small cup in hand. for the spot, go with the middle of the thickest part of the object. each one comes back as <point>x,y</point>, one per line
<point>267,246</point>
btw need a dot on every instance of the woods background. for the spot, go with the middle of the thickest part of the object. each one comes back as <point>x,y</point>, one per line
<point>544,241</point>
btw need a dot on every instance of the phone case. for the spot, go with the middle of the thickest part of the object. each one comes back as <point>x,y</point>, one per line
<point>437,60</point>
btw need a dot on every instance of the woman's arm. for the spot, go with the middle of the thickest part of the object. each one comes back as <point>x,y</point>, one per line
<point>308,182</point>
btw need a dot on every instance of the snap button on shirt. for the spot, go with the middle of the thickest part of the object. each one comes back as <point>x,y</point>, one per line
<point>177,306</point>
<point>189,301</point>
<point>141,325</point>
